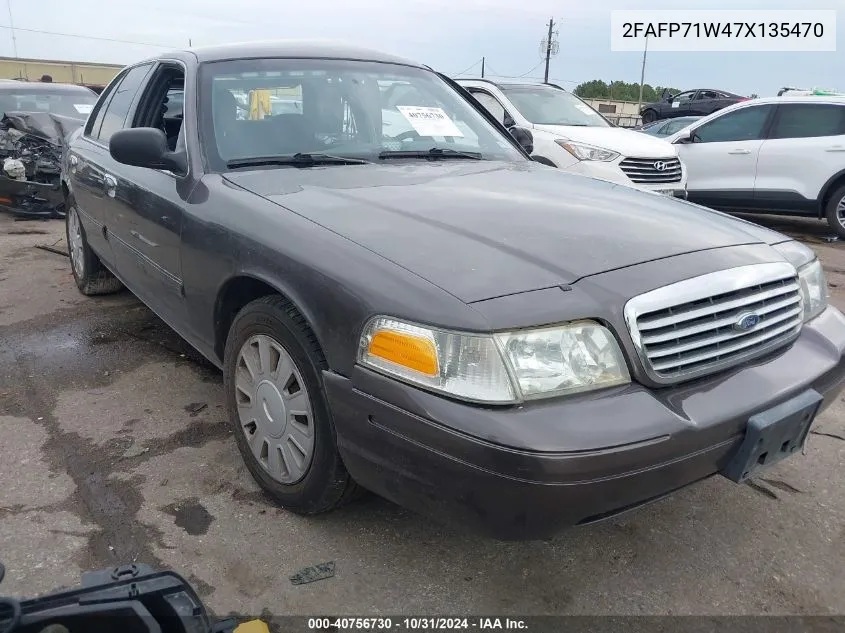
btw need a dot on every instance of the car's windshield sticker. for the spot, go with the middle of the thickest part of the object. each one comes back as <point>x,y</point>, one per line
<point>83,108</point>
<point>428,121</point>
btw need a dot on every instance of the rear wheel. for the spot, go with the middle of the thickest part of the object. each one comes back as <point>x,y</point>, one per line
<point>278,410</point>
<point>649,116</point>
<point>835,212</point>
<point>92,278</point>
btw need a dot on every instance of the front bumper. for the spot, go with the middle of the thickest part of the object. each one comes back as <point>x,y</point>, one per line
<point>612,172</point>
<point>26,198</point>
<point>526,472</point>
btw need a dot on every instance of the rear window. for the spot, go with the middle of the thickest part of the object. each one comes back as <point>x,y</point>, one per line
<point>70,103</point>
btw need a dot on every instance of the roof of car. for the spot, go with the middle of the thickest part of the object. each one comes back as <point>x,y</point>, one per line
<point>12,85</point>
<point>304,49</point>
<point>797,99</point>
<point>510,83</point>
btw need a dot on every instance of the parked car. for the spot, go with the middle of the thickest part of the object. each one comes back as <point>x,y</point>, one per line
<point>35,118</point>
<point>699,102</point>
<point>434,316</point>
<point>571,135</point>
<point>668,127</point>
<point>778,154</point>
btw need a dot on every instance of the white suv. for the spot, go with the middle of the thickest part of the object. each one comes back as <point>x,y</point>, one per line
<point>779,155</point>
<point>571,135</point>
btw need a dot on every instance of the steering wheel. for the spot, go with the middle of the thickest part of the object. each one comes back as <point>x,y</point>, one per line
<point>410,134</point>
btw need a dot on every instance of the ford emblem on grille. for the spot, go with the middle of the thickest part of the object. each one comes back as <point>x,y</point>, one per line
<point>661,165</point>
<point>746,321</point>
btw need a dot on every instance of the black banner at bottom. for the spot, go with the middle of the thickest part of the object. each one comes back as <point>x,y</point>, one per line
<point>555,624</point>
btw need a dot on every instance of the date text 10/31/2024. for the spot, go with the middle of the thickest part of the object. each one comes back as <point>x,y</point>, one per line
<point>415,624</point>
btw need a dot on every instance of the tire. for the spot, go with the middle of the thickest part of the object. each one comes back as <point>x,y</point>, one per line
<point>261,419</point>
<point>649,116</point>
<point>92,278</point>
<point>835,211</point>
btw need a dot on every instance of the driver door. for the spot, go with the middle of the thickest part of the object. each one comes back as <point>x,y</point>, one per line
<point>681,104</point>
<point>722,159</point>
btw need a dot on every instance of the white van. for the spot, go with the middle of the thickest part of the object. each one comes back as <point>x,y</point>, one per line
<point>571,135</point>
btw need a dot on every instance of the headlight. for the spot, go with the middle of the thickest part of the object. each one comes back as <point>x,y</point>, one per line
<point>569,358</point>
<point>495,368</point>
<point>811,276</point>
<point>587,152</point>
<point>813,289</point>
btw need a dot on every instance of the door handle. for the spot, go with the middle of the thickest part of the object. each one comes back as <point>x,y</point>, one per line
<point>835,148</point>
<point>737,152</point>
<point>110,183</point>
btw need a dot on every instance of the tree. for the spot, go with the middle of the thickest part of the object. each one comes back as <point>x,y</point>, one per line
<point>620,91</point>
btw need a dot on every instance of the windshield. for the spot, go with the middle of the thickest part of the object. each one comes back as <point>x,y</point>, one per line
<point>365,110</point>
<point>70,103</point>
<point>544,105</point>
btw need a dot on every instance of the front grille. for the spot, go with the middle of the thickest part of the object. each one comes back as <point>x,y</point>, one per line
<point>692,328</point>
<point>645,170</point>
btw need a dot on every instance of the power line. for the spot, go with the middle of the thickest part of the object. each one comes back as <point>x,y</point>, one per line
<point>85,37</point>
<point>12,28</point>
<point>532,70</point>
<point>468,68</point>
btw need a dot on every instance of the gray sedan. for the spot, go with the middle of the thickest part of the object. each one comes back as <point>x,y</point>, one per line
<point>420,310</point>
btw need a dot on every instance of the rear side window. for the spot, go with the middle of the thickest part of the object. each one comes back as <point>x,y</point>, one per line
<point>807,120</point>
<point>114,113</point>
<point>747,124</point>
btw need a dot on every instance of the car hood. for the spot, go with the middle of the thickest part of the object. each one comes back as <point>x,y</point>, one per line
<point>626,142</point>
<point>482,229</point>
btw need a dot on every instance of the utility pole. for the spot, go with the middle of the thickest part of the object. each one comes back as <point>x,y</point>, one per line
<point>12,28</point>
<point>642,75</point>
<point>548,50</point>
<point>482,67</point>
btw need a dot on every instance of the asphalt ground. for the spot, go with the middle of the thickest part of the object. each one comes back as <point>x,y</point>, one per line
<point>115,449</point>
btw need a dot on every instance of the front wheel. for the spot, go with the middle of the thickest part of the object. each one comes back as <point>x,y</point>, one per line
<point>91,277</point>
<point>649,116</point>
<point>835,212</point>
<point>278,410</point>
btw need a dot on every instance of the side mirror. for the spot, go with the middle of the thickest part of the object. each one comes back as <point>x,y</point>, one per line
<point>146,147</point>
<point>689,137</point>
<point>524,137</point>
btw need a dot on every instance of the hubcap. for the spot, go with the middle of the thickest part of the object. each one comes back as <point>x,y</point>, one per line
<point>75,247</point>
<point>274,409</point>
<point>840,212</point>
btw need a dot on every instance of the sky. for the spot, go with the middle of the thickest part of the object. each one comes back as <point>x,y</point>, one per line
<point>449,35</point>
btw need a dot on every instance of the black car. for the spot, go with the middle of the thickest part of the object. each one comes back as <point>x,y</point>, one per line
<point>400,299</point>
<point>35,118</point>
<point>667,127</point>
<point>699,102</point>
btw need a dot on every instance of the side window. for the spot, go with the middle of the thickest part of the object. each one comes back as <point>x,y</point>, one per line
<point>747,124</point>
<point>684,97</point>
<point>674,126</point>
<point>491,104</point>
<point>115,112</point>
<point>95,121</point>
<point>807,120</point>
<point>706,94</point>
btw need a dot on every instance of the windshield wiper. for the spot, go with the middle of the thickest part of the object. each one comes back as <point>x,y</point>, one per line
<point>434,152</point>
<point>298,160</point>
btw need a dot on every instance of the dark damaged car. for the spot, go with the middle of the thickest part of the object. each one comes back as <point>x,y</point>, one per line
<point>37,118</point>
<point>402,301</point>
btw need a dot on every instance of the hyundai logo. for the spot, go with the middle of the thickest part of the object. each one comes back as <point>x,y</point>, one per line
<point>661,165</point>
<point>746,321</point>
